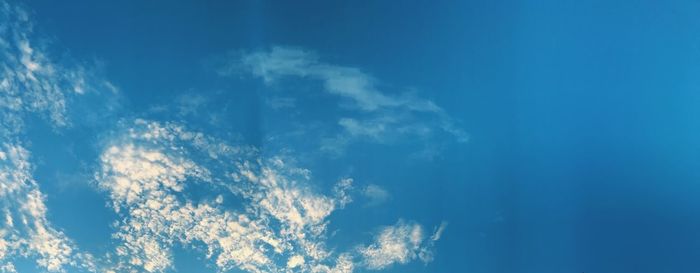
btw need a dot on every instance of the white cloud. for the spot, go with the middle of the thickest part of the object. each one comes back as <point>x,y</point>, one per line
<point>375,194</point>
<point>347,82</point>
<point>438,231</point>
<point>399,244</point>
<point>33,235</point>
<point>378,117</point>
<point>147,169</point>
<point>343,264</point>
<point>295,261</point>
<point>373,129</point>
<point>32,83</point>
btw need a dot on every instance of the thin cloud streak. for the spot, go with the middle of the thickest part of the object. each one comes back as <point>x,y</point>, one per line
<point>378,116</point>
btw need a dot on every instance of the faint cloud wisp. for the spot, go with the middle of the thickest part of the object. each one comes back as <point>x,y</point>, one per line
<point>368,114</point>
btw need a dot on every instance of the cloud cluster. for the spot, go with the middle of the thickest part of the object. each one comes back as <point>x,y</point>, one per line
<point>31,83</point>
<point>375,116</point>
<point>25,230</point>
<point>148,168</point>
<point>400,243</point>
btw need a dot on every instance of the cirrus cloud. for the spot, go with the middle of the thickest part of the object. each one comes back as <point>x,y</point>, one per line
<point>368,113</point>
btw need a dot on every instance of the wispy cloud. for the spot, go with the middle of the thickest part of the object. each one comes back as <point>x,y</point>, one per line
<point>281,102</point>
<point>347,82</point>
<point>375,194</point>
<point>188,104</point>
<point>378,116</point>
<point>31,82</point>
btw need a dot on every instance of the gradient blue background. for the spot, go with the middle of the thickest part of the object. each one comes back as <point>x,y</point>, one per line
<point>583,115</point>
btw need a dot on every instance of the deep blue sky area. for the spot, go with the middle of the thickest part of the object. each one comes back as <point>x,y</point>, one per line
<point>582,120</point>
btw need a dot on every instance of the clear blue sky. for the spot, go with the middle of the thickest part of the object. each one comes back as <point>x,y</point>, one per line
<point>350,136</point>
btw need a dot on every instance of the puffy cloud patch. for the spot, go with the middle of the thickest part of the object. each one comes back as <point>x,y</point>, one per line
<point>25,230</point>
<point>32,83</point>
<point>148,168</point>
<point>400,243</point>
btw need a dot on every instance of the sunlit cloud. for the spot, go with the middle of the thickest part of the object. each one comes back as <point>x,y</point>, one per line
<point>147,169</point>
<point>31,83</point>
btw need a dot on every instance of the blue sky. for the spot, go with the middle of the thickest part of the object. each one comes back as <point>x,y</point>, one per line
<point>338,137</point>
